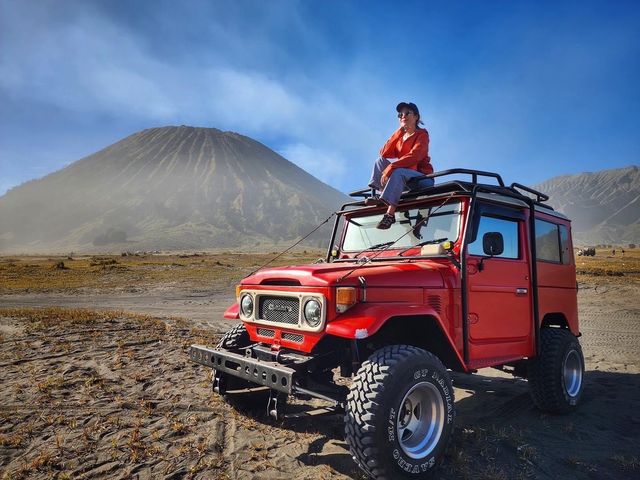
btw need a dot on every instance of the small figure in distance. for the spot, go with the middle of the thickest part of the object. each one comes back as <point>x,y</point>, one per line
<point>409,147</point>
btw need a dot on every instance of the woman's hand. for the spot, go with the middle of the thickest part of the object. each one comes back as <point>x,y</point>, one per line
<point>384,179</point>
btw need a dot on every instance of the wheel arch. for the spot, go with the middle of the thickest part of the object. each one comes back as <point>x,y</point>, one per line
<point>422,331</point>
<point>555,319</point>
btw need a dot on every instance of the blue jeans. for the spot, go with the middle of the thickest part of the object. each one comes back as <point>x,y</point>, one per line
<point>397,182</point>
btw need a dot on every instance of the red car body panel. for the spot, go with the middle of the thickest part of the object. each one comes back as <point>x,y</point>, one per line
<point>233,312</point>
<point>380,274</point>
<point>557,285</point>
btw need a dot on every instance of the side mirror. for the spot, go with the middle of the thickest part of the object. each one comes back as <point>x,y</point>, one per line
<point>492,244</point>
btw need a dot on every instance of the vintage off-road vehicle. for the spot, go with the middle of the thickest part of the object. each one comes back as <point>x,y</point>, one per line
<point>470,275</point>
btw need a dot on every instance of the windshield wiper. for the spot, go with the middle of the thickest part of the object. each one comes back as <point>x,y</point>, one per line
<point>380,245</point>
<point>375,247</point>
<point>427,242</point>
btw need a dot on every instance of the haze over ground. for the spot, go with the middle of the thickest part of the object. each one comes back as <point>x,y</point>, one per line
<point>531,90</point>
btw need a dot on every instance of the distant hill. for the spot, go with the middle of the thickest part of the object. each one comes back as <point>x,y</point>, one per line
<point>167,188</point>
<point>604,206</point>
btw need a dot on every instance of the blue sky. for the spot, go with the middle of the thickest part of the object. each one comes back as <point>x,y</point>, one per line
<point>527,89</point>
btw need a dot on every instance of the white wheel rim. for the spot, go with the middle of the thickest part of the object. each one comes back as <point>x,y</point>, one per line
<point>572,373</point>
<point>420,420</point>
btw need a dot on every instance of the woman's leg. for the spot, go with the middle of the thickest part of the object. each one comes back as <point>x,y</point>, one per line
<point>397,183</point>
<point>376,175</point>
<point>395,186</point>
<point>392,192</point>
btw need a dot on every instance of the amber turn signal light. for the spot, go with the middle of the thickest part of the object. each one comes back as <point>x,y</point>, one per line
<point>345,297</point>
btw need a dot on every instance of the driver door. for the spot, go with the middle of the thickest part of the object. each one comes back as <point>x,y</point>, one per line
<point>499,290</point>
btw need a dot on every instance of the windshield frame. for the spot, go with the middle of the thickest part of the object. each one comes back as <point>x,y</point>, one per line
<point>375,213</point>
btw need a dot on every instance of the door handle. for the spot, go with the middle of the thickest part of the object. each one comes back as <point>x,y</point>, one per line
<point>521,291</point>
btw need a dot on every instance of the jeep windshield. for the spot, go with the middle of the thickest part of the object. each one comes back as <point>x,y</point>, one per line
<point>414,226</point>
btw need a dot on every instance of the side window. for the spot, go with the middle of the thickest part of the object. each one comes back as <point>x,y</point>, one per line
<point>566,252</point>
<point>552,242</point>
<point>510,235</point>
<point>547,241</point>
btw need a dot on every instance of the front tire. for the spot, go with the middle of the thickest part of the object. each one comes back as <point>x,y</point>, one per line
<point>399,413</point>
<point>234,388</point>
<point>556,375</point>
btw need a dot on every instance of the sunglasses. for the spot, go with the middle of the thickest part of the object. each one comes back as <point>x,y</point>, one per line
<point>405,114</point>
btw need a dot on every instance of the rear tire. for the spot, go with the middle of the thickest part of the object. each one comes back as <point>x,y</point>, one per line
<point>399,413</point>
<point>556,375</point>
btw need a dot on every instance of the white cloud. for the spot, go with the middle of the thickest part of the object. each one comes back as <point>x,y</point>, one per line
<point>251,101</point>
<point>88,65</point>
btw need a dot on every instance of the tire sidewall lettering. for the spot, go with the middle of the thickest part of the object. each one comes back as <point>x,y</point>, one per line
<point>411,467</point>
<point>441,382</point>
<point>391,425</point>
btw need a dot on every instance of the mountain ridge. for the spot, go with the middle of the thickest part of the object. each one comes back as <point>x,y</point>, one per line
<point>168,188</point>
<point>603,205</point>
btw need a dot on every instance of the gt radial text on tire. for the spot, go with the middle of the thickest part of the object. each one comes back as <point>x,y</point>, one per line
<point>399,413</point>
<point>556,375</point>
<point>234,388</point>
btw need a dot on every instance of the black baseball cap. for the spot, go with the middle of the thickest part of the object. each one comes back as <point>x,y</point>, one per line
<point>408,106</point>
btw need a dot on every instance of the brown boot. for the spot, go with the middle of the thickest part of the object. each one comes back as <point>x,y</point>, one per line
<point>386,222</point>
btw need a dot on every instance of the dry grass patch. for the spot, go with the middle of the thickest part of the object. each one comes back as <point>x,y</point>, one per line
<point>114,272</point>
<point>62,318</point>
<point>616,268</point>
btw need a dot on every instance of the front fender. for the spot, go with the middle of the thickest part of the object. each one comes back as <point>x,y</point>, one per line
<point>233,312</point>
<point>363,320</point>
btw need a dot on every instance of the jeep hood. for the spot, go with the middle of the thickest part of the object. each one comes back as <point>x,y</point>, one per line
<point>381,274</point>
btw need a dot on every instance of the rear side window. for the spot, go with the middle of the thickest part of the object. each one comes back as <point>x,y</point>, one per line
<point>547,241</point>
<point>566,252</point>
<point>508,229</point>
<point>552,242</point>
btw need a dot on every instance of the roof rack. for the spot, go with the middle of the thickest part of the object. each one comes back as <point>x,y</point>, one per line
<point>513,190</point>
<point>540,197</point>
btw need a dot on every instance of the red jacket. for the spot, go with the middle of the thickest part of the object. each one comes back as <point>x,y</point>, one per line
<point>412,153</point>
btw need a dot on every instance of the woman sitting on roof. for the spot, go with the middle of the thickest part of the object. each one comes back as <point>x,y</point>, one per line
<point>410,146</point>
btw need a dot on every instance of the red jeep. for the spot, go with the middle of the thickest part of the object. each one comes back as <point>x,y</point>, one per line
<point>470,275</point>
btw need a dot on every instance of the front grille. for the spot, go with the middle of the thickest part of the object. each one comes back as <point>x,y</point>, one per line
<point>266,332</point>
<point>278,309</point>
<point>293,337</point>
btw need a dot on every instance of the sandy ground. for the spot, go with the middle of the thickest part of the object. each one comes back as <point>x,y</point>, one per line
<point>113,395</point>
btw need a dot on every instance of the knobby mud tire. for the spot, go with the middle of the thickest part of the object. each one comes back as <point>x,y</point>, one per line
<point>235,339</point>
<point>378,402</point>
<point>556,376</point>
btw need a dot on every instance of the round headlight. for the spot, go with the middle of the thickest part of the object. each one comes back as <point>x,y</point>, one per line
<point>313,313</point>
<point>246,305</point>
